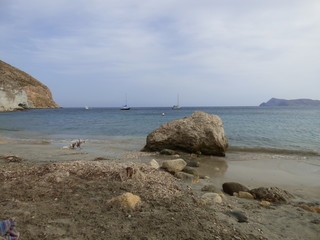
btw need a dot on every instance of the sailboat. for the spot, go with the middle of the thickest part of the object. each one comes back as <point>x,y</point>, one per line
<point>176,107</point>
<point>125,107</point>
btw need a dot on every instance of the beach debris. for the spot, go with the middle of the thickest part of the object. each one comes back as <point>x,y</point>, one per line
<point>233,187</point>
<point>211,198</point>
<point>100,159</point>
<point>271,194</point>
<point>175,165</point>
<point>57,176</point>
<point>154,164</point>
<point>11,158</point>
<point>187,177</point>
<point>125,201</point>
<point>8,229</point>
<point>208,188</point>
<point>201,132</point>
<point>240,216</point>
<point>134,173</point>
<point>76,143</point>
<point>309,208</point>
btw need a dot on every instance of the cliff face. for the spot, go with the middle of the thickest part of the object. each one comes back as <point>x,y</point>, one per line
<point>275,102</point>
<point>18,90</point>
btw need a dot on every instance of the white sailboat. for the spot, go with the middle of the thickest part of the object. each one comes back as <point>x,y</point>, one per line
<point>176,107</point>
<point>125,107</point>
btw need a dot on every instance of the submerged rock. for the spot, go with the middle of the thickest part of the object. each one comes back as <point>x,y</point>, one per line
<point>200,132</point>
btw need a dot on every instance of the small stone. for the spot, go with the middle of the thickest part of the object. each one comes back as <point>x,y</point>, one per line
<point>245,195</point>
<point>190,170</point>
<point>208,188</point>
<point>265,203</point>
<point>186,177</point>
<point>154,164</point>
<point>174,166</point>
<point>211,198</point>
<point>240,216</point>
<point>126,201</point>
<point>193,164</point>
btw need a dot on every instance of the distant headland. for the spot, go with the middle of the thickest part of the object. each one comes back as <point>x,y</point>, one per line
<point>276,102</point>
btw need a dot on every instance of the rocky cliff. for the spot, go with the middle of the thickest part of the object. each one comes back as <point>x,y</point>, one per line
<point>19,90</point>
<point>275,102</point>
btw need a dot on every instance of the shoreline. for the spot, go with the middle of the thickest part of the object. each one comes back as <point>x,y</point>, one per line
<point>293,173</point>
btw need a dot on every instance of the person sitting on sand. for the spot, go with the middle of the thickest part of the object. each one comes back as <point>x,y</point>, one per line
<point>7,230</point>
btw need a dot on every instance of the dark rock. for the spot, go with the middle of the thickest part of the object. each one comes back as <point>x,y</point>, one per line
<point>193,164</point>
<point>240,216</point>
<point>271,194</point>
<point>201,132</point>
<point>231,187</point>
<point>190,170</point>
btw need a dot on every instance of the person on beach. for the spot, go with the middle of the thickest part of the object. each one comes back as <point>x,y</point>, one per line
<point>7,230</point>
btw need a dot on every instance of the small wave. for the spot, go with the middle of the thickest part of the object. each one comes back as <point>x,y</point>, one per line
<point>9,129</point>
<point>273,150</point>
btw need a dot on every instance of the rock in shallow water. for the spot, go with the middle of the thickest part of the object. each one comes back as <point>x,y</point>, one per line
<point>175,165</point>
<point>201,132</point>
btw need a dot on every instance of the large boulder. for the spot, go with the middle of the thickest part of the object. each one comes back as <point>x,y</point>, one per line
<point>200,132</point>
<point>18,90</point>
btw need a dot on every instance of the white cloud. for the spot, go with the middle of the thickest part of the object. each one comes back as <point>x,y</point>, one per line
<point>191,46</point>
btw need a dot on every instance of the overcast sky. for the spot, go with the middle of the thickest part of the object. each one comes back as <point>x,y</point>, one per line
<point>210,52</point>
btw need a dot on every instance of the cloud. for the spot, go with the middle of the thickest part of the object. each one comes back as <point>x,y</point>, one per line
<point>248,50</point>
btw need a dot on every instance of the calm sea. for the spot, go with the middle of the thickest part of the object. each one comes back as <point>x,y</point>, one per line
<point>269,129</point>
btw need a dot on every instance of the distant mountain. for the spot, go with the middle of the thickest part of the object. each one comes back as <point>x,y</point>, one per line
<point>276,102</point>
<point>18,90</point>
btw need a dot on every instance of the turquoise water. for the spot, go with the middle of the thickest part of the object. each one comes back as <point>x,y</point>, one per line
<point>252,128</point>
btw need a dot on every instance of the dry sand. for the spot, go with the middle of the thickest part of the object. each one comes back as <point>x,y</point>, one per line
<point>54,193</point>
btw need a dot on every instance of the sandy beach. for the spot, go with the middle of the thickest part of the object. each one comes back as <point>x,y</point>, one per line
<point>74,205</point>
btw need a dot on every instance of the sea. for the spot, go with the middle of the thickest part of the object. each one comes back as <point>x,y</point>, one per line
<point>287,130</point>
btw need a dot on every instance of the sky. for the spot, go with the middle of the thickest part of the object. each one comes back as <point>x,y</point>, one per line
<point>209,52</point>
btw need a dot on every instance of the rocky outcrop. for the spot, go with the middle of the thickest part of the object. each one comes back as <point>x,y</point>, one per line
<point>19,90</point>
<point>201,132</point>
<point>275,102</point>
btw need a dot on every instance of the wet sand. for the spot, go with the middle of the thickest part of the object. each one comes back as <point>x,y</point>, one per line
<point>297,174</point>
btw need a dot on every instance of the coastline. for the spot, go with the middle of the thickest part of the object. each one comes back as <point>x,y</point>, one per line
<point>294,173</point>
